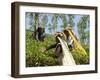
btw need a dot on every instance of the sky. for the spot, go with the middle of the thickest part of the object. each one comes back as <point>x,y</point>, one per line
<point>28,23</point>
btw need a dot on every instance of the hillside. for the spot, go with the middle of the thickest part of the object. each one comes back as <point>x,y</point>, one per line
<point>36,57</point>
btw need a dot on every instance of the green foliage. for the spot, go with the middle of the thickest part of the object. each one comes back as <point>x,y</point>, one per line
<point>34,52</point>
<point>83,24</point>
<point>36,22</point>
<point>35,55</point>
<point>71,20</point>
<point>64,20</point>
<point>79,59</point>
<point>54,22</point>
<point>44,21</point>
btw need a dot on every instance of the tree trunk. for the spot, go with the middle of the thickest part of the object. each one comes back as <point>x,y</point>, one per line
<point>36,23</point>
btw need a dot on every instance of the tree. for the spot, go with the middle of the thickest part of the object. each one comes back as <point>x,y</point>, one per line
<point>50,28</point>
<point>29,17</point>
<point>71,20</point>
<point>64,20</point>
<point>36,18</point>
<point>44,20</point>
<point>83,29</point>
<point>55,19</point>
<point>33,20</point>
<point>54,22</point>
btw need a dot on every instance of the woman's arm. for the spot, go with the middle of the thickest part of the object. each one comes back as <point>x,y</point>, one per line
<point>52,46</point>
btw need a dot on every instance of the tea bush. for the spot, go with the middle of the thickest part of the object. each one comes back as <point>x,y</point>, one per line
<point>35,55</point>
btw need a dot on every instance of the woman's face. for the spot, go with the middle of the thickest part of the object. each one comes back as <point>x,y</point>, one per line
<point>66,33</point>
<point>58,34</point>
